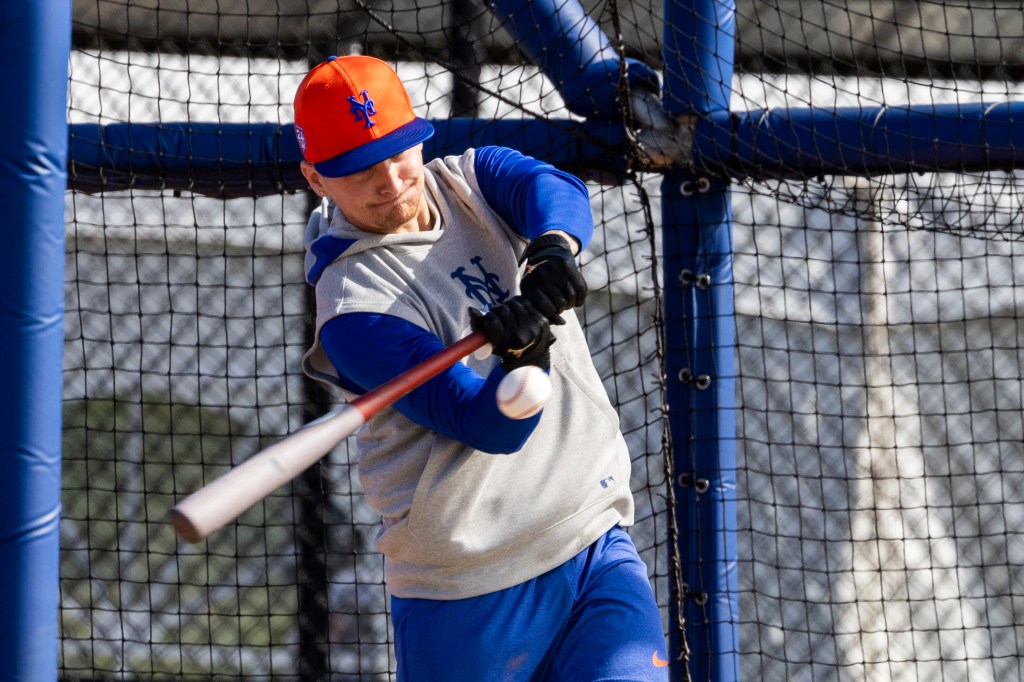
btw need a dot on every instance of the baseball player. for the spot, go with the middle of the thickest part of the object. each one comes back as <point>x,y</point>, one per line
<point>505,554</point>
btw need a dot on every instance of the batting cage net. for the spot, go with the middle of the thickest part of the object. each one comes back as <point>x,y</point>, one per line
<point>879,407</point>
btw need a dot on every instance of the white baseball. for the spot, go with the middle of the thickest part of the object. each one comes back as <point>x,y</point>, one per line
<point>523,392</point>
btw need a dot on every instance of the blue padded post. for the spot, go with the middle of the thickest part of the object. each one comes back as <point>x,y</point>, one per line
<point>700,330</point>
<point>35,36</point>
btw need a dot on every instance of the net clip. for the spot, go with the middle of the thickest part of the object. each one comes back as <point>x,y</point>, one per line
<point>690,278</point>
<point>701,381</point>
<point>698,186</point>
<point>699,597</point>
<point>700,485</point>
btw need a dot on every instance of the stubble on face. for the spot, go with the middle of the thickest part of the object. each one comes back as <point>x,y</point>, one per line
<point>387,217</point>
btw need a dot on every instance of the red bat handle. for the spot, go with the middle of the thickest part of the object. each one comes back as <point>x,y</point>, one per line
<point>384,395</point>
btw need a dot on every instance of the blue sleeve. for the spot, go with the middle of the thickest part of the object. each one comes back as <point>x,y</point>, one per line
<point>369,349</point>
<point>533,197</point>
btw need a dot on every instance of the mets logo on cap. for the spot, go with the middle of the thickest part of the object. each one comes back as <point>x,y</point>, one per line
<point>353,112</point>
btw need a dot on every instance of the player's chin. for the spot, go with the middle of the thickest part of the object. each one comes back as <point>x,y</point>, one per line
<point>398,215</point>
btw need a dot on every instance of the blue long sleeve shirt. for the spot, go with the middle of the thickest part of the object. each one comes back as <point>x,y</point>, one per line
<point>368,349</point>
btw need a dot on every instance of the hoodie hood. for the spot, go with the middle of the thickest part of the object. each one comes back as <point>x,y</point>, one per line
<point>330,236</point>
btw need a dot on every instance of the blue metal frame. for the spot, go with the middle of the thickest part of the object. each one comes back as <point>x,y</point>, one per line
<point>569,47</point>
<point>262,158</point>
<point>699,342</point>
<point>574,53</point>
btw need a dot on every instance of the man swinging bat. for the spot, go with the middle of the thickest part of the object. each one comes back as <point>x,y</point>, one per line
<point>505,554</point>
<point>505,551</point>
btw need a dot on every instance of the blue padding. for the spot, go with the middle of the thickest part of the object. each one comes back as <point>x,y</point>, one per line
<point>699,323</point>
<point>574,53</point>
<point>699,44</point>
<point>154,147</point>
<point>36,35</point>
<point>209,158</point>
<point>700,326</point>
<point>570,145</point>
<point>801,143</point>
<point>263,158</point>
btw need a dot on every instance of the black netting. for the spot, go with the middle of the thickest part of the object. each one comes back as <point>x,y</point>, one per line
<point>878,362</point>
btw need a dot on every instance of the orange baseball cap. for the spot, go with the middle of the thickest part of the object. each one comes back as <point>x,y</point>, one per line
<point>353,112</point>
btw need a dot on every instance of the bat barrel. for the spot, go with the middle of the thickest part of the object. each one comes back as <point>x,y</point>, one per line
<point>228,496</point>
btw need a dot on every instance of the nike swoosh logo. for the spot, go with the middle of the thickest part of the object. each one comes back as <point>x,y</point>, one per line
<point>657,662</point>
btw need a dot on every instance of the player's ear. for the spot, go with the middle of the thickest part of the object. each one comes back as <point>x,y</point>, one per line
<point>311,175</point>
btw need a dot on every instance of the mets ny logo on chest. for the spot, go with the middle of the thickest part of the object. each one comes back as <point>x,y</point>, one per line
<point>484,287</point>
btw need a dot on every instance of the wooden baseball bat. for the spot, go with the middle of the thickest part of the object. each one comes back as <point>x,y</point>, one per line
<point>225,498</point>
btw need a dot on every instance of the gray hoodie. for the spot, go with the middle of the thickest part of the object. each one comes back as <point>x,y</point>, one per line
<point>458,522</point>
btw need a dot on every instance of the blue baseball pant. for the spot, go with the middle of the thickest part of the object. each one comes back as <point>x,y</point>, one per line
<point>592,619</point>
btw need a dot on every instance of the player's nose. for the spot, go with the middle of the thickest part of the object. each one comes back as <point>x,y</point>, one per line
<point>389,178</point>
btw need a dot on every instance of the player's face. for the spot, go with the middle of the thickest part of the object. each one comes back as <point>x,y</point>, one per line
<point>384,198</point>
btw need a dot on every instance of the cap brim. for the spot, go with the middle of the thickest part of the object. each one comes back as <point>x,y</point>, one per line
<point>371,153</point>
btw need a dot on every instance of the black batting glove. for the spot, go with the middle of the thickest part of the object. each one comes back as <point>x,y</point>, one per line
<point>553,282</point>
<point>518,333</point>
